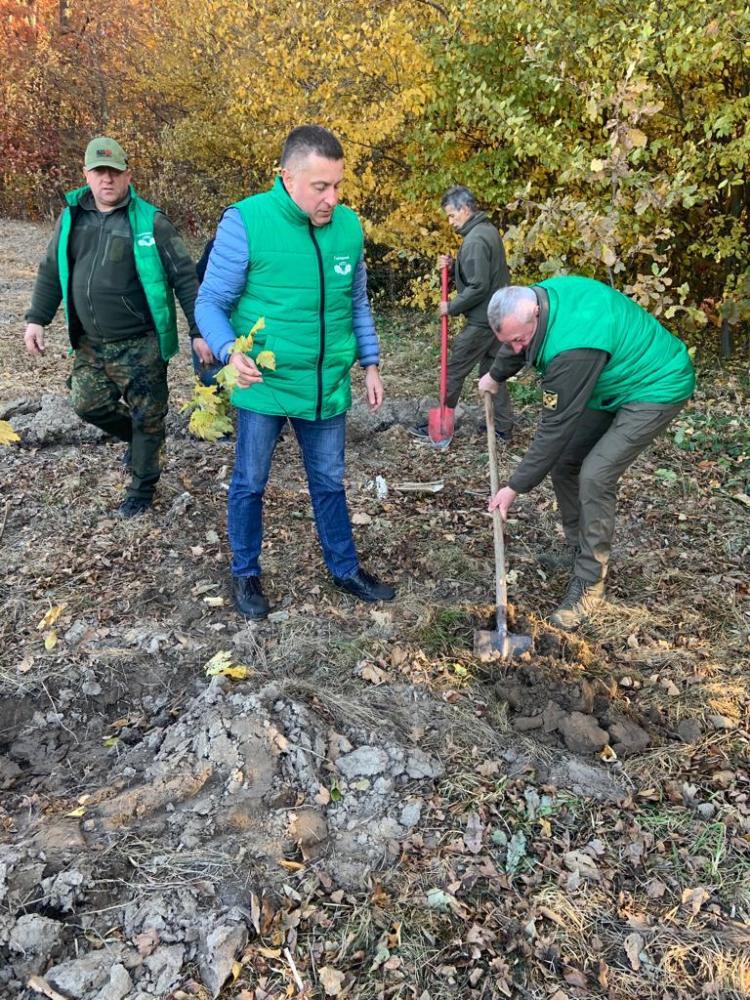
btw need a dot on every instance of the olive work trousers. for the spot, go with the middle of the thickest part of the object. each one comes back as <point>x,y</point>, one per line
<point>122,387</point>
<point>586,475</point>
<point>478,345</point>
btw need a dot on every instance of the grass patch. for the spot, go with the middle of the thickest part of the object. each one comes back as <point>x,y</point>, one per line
<point>447,632</point>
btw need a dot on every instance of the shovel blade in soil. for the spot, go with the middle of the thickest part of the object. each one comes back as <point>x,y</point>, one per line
<point>487,645</point>
<point>440,425</point>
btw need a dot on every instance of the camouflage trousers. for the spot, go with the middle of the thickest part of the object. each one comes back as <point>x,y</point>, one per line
<point>122,388</point>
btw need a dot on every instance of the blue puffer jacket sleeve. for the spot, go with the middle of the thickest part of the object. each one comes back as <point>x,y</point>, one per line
<point>223,284</point>
<point>368,345</point>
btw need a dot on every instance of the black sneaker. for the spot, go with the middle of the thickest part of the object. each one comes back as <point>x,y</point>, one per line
<point>422,431</point>
<point>365,587</point>
<point>249,598</point>
<point>133,507</point>
<point>127,459</point>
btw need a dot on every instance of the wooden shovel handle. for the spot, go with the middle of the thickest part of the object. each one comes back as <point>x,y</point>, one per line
<point>501,586</point>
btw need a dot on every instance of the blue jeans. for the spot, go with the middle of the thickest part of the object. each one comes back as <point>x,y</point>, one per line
<point>205,373</point>
<point>322,443</point>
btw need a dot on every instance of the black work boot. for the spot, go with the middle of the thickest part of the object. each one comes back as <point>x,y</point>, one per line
<point>365,587</point>
<point>133,507</point>
<point>581,599</point>
<point>249,598</point>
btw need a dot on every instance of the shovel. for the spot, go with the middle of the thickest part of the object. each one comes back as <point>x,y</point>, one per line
<point>487,644</point>
<point>440,419</point>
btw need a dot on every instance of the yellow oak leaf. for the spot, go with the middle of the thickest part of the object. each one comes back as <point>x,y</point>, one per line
<point>266,359</point>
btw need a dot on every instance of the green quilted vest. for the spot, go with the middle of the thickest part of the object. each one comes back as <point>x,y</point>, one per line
<point>300,279</point>
<point>647,363</point>
<point>148,265</point>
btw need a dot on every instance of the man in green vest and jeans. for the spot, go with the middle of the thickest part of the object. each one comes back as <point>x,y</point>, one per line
<point>116,262</point>
<point>292,257</point>
<point>613,378</point>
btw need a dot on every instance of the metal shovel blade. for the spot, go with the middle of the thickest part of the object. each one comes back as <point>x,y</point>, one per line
<point>488,644</point>
<point>440,425</point>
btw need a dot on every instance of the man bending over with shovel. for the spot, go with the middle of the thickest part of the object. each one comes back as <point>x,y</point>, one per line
<point>613,378</point>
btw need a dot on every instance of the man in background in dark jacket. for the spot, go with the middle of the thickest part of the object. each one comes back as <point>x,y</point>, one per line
<point>115,262</point>
<point>478,272</point>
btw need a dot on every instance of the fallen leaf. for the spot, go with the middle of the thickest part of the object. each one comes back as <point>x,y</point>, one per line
<point>292,866</point>
<point>214,602</point>
<point>575,978</point>
<point>51,617</point>
<point>473,833</point>
<point>331,980</point>
<point>50,640</point>
<point>322,796</point>
<point>373,674</point>
<point>221,665</point>
<point>77,813</point>
<point>693,899</point>
<point>359,517</point>
<point>633,947</point>
<point>7,434</point>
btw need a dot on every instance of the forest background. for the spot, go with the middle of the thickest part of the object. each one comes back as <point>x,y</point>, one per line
<point>609,139</point>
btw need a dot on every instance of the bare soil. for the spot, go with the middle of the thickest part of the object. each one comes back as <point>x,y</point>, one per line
<point>370,811</point>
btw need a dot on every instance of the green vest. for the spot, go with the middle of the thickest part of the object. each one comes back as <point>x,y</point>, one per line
<point>647,364</point>
<point>148,265</point>
<point>300,280</point>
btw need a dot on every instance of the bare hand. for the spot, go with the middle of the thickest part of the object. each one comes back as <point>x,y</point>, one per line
<point>33,338</point>
<point>373,388</point>
<point>443,308</point>
<point>247,371</point>
<point>445,260</point>
<point>488,384</point>
<point>204,352</point>
<point>503,501</point>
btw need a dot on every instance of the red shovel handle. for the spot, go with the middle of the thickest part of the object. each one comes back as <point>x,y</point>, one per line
<point>443,339</point>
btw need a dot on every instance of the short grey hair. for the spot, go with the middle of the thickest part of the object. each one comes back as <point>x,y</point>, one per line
<point>507,302</point>
<point>306,139</point>
<point>459,197</point>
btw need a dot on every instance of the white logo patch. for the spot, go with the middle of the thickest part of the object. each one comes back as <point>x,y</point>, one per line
<point>342,265</point>
<point>145,240</point>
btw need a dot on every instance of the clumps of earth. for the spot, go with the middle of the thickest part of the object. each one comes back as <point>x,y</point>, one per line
<point>205,813</point>
<point>242,787</point>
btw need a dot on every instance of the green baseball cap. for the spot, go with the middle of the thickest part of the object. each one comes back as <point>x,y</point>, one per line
<point>105,152</point>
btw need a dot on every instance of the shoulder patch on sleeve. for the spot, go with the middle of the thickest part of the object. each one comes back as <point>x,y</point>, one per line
<point>549,400</point>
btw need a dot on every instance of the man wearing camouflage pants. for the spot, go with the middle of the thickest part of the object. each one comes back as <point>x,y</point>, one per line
<point>613,378</point>
<point>116,262</point>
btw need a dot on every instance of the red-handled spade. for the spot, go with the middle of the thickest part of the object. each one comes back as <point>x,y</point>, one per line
<point>441,419</point>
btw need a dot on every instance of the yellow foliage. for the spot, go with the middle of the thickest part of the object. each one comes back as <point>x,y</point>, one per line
<point>221,665</point>
<point>209,412</point>
<point>266,359</point>
<point>7,434</point>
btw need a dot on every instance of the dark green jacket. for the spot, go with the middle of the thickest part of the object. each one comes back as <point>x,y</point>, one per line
<point>595,349</point>
<point>106,298</point>
<point>300,281</point>
<point>480,270</point>
<point>647,364</point>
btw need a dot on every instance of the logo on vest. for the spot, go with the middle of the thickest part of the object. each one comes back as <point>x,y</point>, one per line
<point>145,239</point>
<point>343,265</point>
